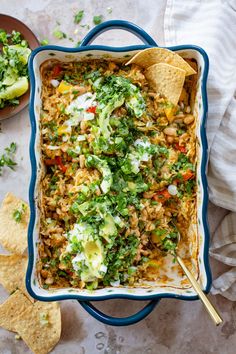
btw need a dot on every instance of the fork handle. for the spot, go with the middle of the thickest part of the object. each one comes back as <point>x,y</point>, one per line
<point>208,305</point>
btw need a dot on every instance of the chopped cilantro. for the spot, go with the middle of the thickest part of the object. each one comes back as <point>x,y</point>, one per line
<point>7,158</point>
<point>59,34</point>
<point>97,19</point>
<point>16,37</point>
<point>18,213</point>
<point>78,16</point>
<point>3,37</point>
<point>44,42</point>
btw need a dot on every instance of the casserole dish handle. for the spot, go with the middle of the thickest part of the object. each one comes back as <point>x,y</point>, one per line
<point>121,321</point>
<point>118,24</point>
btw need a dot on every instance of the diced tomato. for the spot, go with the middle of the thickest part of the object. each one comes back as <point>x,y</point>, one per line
<point>180,148</point>
<point>162,196</point>
<point>62,167</point>
<point>188,175</point>
<point>56,70</point>
<point>56,161</point>
<point>50,162</point>
<point>91,109</point>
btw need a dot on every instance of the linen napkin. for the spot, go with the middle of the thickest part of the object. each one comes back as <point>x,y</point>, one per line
<point>212,25</point>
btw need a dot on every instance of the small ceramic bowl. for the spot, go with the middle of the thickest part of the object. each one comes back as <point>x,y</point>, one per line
<point>8,24</point>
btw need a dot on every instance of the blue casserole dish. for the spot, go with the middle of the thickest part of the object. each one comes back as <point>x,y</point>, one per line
<point>155,292</point>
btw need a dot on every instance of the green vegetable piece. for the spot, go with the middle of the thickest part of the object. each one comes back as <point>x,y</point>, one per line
<point>78,17</point>
<point>10,76</point>
<point>44,42</point>
<point>59,34</point>
<point>16,37</point>
<point>3,37</point>
<point>112,92</point>
<point>18,51</point>
<point>6,159</point>
<point>108,228</point>
<point>97,19</point>
<point>102,166</point>
<point>104,114</point>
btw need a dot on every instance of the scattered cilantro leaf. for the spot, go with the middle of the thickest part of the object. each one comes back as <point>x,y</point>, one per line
<point>18,213</point>
<point>3,36</point>
<point>44,42</point>
<point>7,158</point>
<point>16,37</point>
<point>59,34</point>
<point>97,19</point>
<point>78,16</point>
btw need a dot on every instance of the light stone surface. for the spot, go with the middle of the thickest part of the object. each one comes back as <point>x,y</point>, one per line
<point>174,327</point>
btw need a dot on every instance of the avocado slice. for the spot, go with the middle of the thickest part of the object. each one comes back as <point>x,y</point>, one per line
<point>104,113</point>
<point>108,228</point>
<point>102,166</point>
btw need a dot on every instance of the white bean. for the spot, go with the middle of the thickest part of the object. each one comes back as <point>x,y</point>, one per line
<point>189,119</point>
<point>170,131</point>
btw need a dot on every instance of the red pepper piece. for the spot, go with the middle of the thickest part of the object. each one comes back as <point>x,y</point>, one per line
<point>56,161</point>
<point>56,70</point>
<point>188,175</point>
<point>181,148</point>
<point>162,196</point>
<point>91,109</point>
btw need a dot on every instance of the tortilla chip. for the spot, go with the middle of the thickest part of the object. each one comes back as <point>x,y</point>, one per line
<point>12,308</point>
<point>151,56</point>
<point>166,80</point>
<point>40,326</point>
<point>12,272</point>
<point>13,235</point>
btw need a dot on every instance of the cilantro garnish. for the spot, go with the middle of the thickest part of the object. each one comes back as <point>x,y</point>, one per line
<point>97,19</point>
<point>59,34</point>
<point>78,16</point>
<point>44,42</point>
<point>18,213</point>
<point>7,158</point>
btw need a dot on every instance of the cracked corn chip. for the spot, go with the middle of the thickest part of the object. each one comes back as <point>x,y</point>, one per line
<point>12,308</point>
<point>166,80</point>
<point>14,218</point>
<point>12,272</point>
<point>40,326</point>
<point>151,56</point>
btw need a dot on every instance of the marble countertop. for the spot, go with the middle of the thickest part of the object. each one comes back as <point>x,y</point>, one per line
<point>174,326</point>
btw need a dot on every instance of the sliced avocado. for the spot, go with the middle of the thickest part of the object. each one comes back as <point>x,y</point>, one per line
<point>15,90</point>
<point>94,255</point>
<point>136,103</point>
<point>84,207</point>
<point>105,112</point>
<point>102,166</point>
<point>132,186</point>
<point>108,228</point>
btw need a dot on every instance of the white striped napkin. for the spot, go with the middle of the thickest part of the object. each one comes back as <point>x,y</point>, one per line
<point>212,25</point>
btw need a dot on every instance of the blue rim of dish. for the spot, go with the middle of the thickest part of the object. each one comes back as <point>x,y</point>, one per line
<point>84,298</point>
